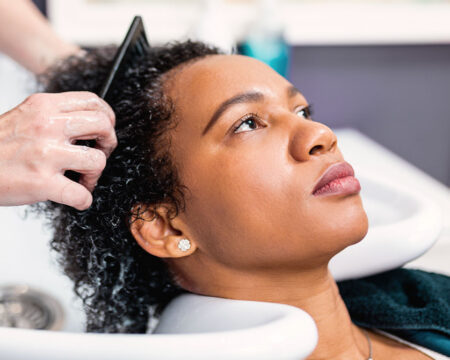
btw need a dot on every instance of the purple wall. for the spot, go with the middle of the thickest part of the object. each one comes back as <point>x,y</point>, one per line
<point>397,95</point>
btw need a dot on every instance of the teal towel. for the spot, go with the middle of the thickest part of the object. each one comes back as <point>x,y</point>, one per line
<point>430,339</point>
<point>412,304</point>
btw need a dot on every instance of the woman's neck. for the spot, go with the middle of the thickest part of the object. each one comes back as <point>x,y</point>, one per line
<point>339,338</point>
<point>314,291</point>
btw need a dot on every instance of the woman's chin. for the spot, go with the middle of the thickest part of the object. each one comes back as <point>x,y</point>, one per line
<point>355,226</point>
<point>346,225</point>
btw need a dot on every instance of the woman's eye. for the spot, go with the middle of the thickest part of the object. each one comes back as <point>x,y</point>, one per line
<point>249,123</point>
<point>305,112</point>
<point>252,121</point>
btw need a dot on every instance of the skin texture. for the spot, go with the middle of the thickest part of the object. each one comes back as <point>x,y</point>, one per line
<point>256,230</point>
<point>37,145</point>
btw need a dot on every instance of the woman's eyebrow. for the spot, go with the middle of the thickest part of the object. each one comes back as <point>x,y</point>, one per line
<point>292,91</point>
<point>253,96</point>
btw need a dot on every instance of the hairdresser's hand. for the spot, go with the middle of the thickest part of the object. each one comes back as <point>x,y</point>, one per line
<point>37,146</point>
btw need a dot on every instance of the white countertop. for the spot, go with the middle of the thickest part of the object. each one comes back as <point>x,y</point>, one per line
<point>306,22</point>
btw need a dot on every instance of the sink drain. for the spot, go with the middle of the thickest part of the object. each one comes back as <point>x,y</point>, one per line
<point>27,308</point>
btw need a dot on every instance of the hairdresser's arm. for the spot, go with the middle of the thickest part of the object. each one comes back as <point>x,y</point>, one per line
<point>37,145</point>
<point>26,36</point>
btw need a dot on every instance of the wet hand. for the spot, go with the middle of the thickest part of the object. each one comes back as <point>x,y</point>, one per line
<point>37,145</point>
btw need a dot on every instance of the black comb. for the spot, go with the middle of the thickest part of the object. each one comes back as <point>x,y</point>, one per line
<point>133,46</point>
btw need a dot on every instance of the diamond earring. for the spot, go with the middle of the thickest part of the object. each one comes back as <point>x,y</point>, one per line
<point>184,244</point>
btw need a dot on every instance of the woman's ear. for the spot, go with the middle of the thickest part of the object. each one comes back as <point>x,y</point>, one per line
<point>154,232</point>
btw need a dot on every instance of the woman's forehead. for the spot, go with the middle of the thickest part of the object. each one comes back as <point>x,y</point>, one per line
<point>222,76</point>
<point>198,89</point>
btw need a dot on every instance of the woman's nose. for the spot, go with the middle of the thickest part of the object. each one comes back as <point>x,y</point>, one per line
<point>311,139</point>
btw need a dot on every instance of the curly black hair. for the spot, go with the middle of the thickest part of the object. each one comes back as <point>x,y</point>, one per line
<point>122,285</point>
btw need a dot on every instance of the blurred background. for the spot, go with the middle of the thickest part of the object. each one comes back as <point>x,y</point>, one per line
<point>382,67</point>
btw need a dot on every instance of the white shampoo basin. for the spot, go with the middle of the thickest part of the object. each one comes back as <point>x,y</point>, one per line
<point>193,327</point>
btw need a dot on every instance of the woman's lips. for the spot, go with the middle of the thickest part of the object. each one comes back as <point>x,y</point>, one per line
<point>338,179</point>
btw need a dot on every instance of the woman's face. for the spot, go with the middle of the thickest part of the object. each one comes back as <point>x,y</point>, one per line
<point>251,165</point>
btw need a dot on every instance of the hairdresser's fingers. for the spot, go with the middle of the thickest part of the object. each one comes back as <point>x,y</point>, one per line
<point>88,161</point>
<point>79,158</point>
<point>89,179</point>
<point>86,125</point>
<point>83,101</point>
<point>68,192</point>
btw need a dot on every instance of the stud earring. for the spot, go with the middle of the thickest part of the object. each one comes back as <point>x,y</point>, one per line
<point>184,244</point>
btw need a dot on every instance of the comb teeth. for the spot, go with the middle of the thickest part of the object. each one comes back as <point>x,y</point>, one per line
<point>134,45</point>
<point>141,46</point>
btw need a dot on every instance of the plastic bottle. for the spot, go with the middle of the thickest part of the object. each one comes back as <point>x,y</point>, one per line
<point>265,39</point>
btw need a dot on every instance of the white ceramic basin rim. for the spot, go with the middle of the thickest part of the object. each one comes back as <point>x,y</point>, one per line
<point>284,333</point>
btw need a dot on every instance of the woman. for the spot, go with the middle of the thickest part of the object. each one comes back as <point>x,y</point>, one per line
<point>215,188</point>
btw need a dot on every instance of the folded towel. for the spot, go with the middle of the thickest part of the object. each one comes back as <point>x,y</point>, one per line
<point>412,304</point>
